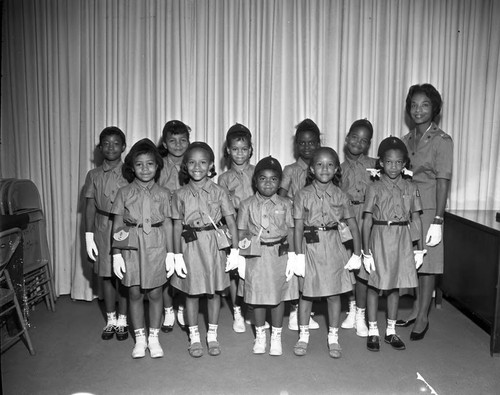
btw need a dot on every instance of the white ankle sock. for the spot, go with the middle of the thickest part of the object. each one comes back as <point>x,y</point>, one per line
<point>194,334</point>
<point>304,333</point>
<point>212,332</point>
<point>391,327</point>
<point>373,328</point>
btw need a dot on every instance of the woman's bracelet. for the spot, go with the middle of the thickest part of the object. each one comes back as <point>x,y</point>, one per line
<point>438,220</point>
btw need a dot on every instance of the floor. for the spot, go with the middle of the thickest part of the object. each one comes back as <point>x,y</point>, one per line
<point>71,358</point>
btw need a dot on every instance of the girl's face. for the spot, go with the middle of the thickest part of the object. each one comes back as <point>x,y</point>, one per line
<point>421,109</point>
<point>198,164</point>
<point>112,147</point>
<point>239,151</point>
<point>324,167</point>
<point>307,143</point>
<point>358,141</point>
<point>268,182</point>
<point>393,163</point>
<point>145,167</point>
<point>176,144</point>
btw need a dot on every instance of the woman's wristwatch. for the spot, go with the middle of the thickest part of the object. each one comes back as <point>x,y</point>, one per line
<point>438,220</point>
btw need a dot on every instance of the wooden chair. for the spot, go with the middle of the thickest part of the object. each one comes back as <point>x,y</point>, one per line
<point>9,241</point>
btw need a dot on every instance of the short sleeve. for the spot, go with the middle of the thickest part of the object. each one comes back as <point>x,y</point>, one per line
<point>118,207</point>
<point>289,214</point>
<point>347,207</point>
<point>416,201</point>
<point>227,207</point>
<point>370,199</point>
<point>88,188</point>
<point>286,179</point>
<point>444,157</point>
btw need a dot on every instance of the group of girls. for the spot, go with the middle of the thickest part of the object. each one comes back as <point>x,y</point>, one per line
<point>315,229</point>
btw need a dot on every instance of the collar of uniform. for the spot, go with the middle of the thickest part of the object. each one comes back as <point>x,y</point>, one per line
<point>205,186</point>
<point>273,199</point>
<point>353,162</point>
<point>321,191</point>
<point>302,164</point>
<point>400,183</point>
<point>107,167</point>
<point>169,161</point>
<point>432,129</point>
<point>148,187</point>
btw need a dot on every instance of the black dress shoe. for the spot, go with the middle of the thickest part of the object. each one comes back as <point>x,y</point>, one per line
<point>395,342</point>
<point>121,333</point>
<point>373,343</point>
<point>108,332</point>
<point>419,335</point>
<point>167,328</point>
<point>405,323</point>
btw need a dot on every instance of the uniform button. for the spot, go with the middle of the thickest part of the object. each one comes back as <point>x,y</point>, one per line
<point>267,231</point>
<point>147,220</point>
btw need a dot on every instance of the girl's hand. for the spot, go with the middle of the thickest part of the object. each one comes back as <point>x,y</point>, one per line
<point>170,264</point>
<point>233,260</point>
<point>354,262</point>
<point>91,246</point>
<point>419,257</point>
<point>290,266</point>
<point>300,267</point>
<point>118,266</point>
<point>434,235</point>
<point>180,265</point>
<point>368,261</point>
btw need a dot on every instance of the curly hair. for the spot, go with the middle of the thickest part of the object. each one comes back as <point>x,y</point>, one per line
<point>337,177</point>
<point>429,91</point>
<point>144,146</point>
<point>112,131</point>
<point>183,173</point>
<point>237,132</point>
<point>173,127</point>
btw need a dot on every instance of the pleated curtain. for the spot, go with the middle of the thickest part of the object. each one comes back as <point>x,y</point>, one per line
<point>72,67</point>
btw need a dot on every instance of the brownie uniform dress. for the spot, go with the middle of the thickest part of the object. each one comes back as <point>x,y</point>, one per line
<point>265,279</point>
<point>391,245</point>
<point>102,185</point>
<point>294,177</point>
<point>432,158</point>
<point>325,274</point>
<point>238,183</point>
<point>205,263</point>
<point>145,266</point>
<point>169,176</point>
<point>355,180</point>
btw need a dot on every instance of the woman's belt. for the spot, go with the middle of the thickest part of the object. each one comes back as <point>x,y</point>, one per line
<point>273,243</point>
<point>157,225</point>
<point>200,228</point>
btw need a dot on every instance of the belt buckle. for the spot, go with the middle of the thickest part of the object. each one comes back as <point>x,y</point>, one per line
<point>389,223</point>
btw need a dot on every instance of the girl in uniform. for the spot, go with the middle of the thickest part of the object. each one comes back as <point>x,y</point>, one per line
<point>390,204</point>
<point>101,186</point>
<point>173,145</point>
<point>355,179</point>
<point>265,220</point>
<point>142,242</point>
<point>307,140</point>
<point>238,181</point>
<point>322,258</point>
<point>200,244</point>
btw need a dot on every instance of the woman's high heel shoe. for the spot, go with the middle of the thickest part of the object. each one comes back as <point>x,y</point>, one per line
<point>405,323</point>
<point>419,335</point>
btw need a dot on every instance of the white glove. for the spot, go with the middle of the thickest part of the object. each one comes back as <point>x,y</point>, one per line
<point>368,261</point>
<point>170,264</point>
<point>354,262</point>
<point>242,266</point>
<point>419,257</point>
<point>180,265</point>
<point>118,266</point>
<point>434,235</point>
<point>290,265</point>
<point>91,246</point>
<point>232,259</point>
<point>300,265</point>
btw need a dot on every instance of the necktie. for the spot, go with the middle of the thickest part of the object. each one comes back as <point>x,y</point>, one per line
<point>264,220</point>
<point>146,213</point>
